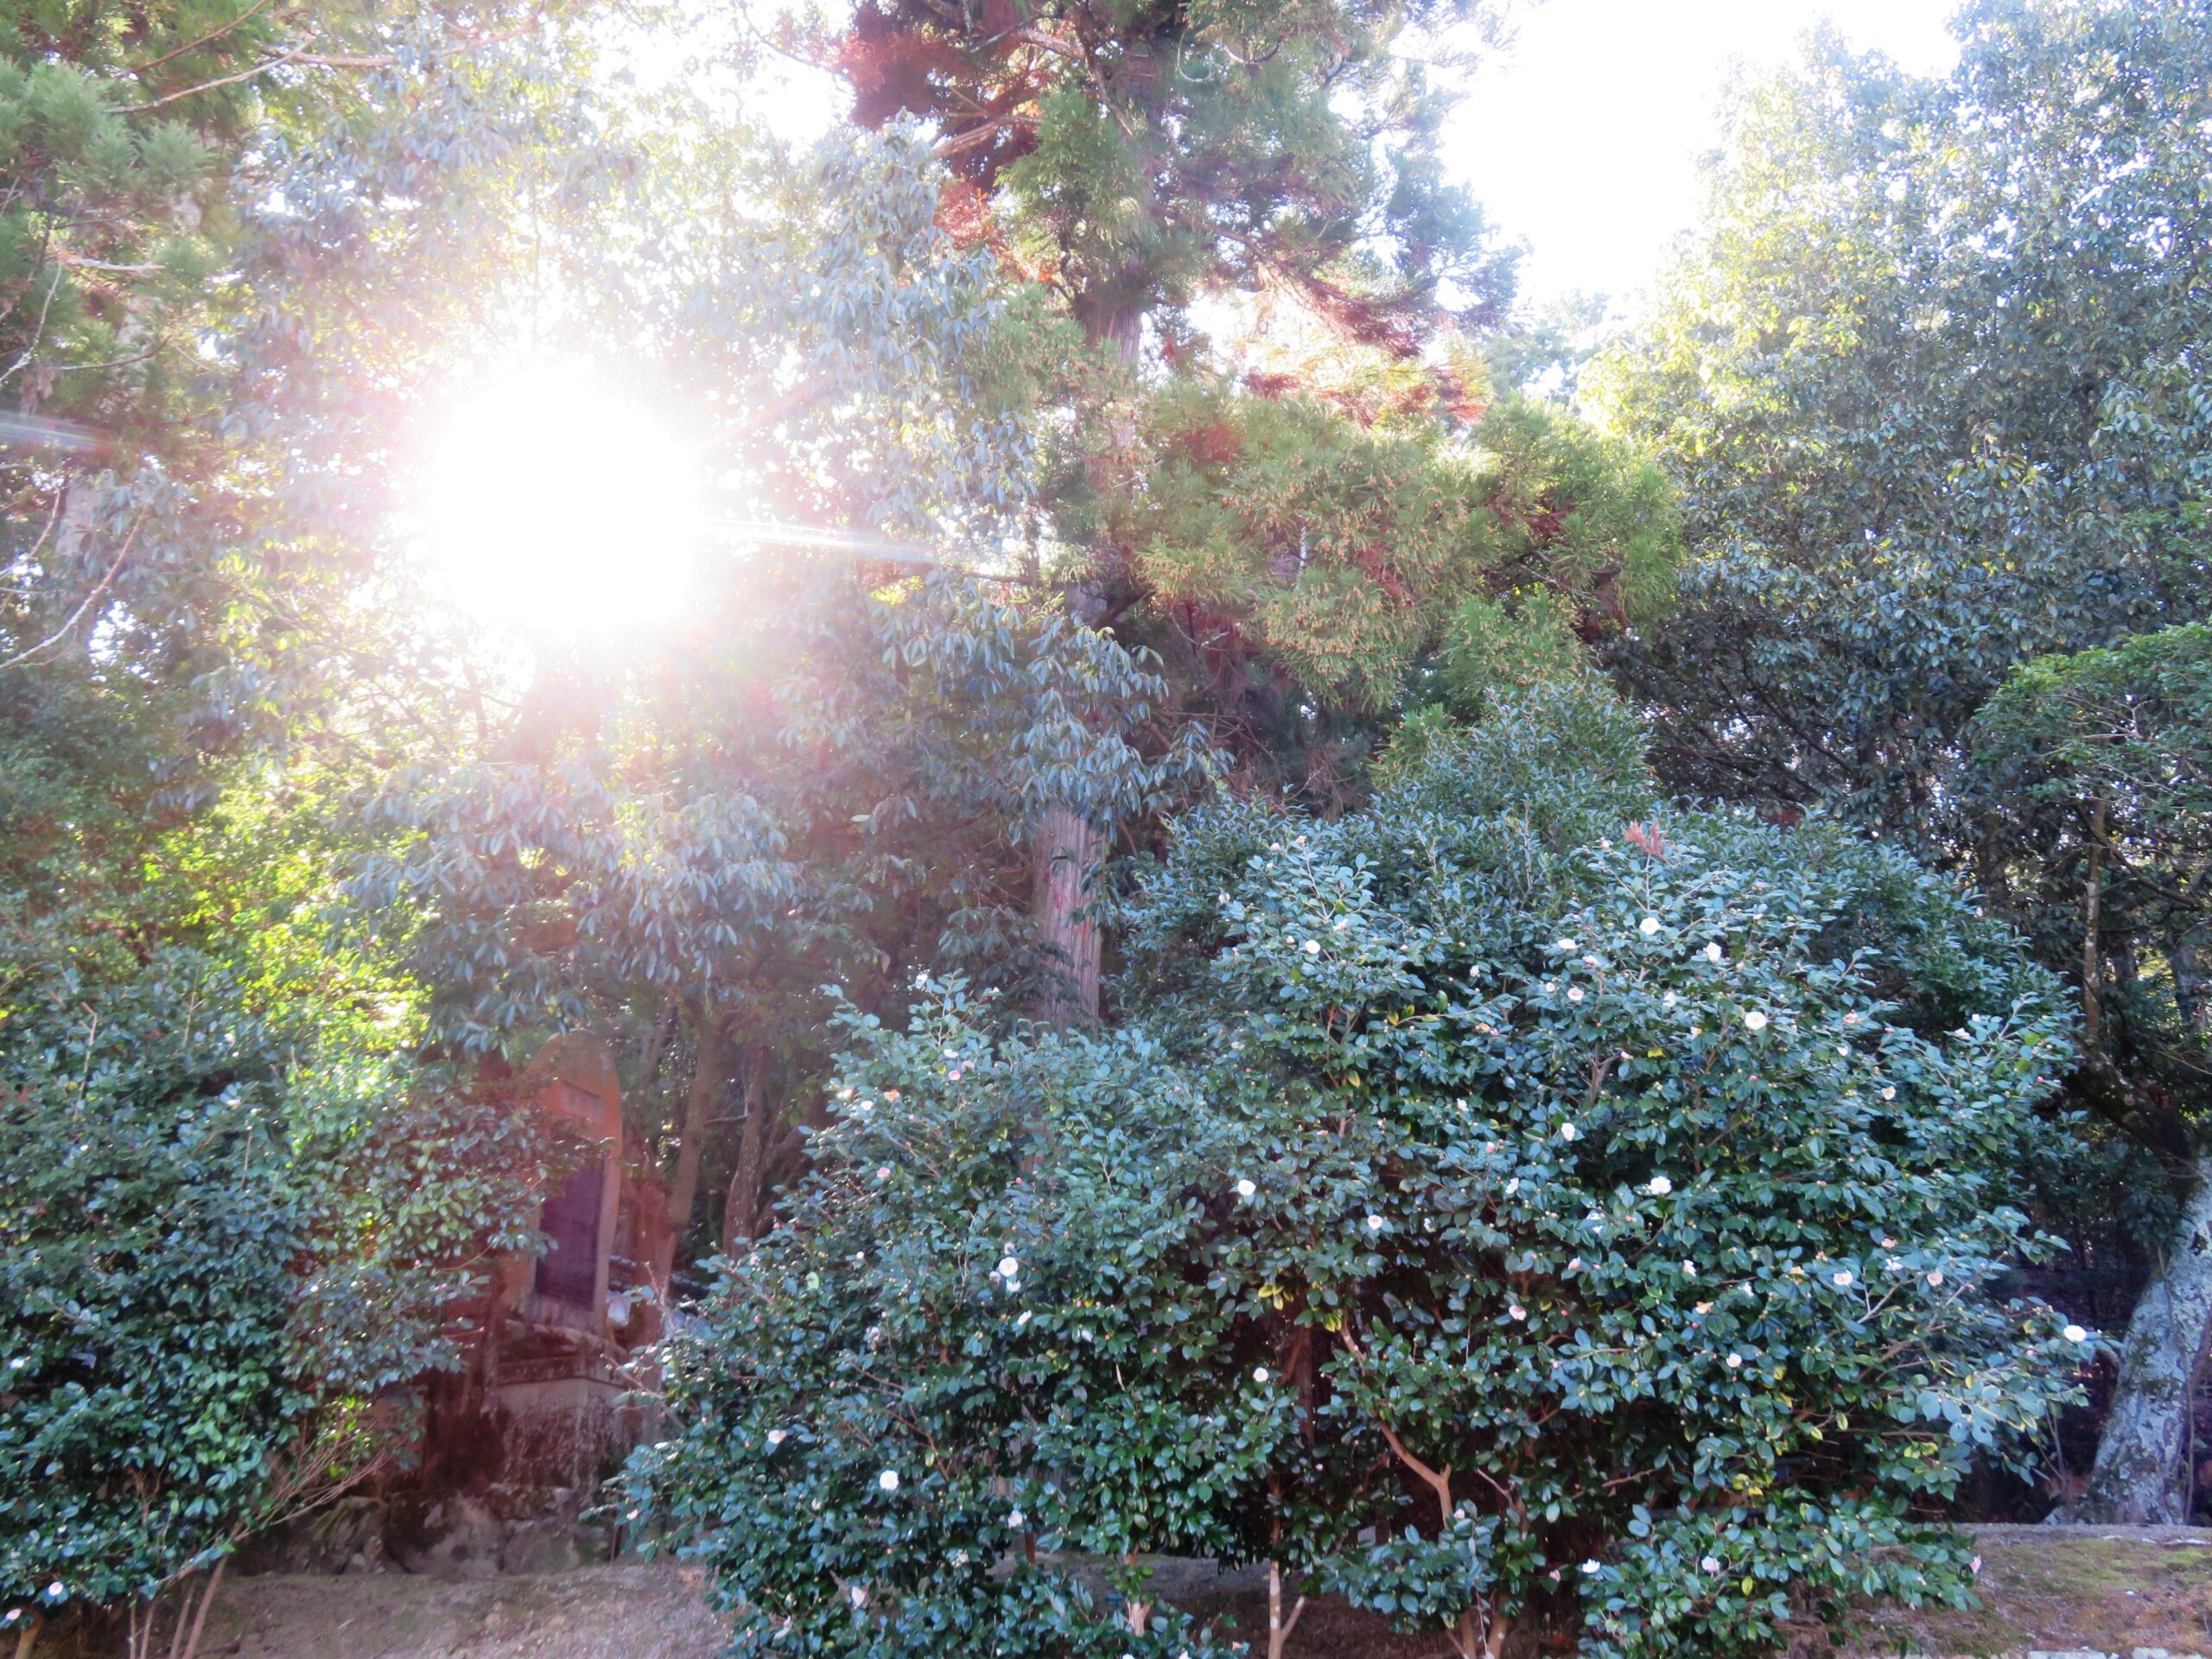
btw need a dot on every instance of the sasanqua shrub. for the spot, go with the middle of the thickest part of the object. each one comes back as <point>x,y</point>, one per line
<point>1512,1206</point>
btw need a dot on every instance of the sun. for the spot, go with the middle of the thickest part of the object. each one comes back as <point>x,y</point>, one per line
<point>557,505</point>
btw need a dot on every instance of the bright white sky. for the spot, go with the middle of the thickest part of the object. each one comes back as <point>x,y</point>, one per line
<point>1582,140</point>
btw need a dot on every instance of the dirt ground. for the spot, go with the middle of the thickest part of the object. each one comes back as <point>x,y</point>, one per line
<point>2074,1590</point>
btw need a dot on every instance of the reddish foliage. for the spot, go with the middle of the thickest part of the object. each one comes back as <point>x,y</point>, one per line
<point>1647,838</point>
<point>1215,444</point>
<point>891,64</point>
<point>964,213</point>
<point>1372,559</point>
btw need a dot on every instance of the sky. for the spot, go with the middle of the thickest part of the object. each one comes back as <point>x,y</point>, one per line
<point>1582,139</point>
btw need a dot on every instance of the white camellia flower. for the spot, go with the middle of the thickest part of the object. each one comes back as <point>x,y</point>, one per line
<point>1735,1362</point>
<point>1513,1187</point>
<point>1312,947</point>
<point>1590,962</point>
<point>1710,1564</point>
<point>1566,947</point>
<point>1518,1312</point>
<point>1567,1131</point>
<point>1574,993</point>
<point>1889,1093</point>
<point>1008,1266</point>
<point>1648,927</point>
<point>1017,1520</point>
<point>2075,1333</point>
<point>776,1437</point>
<point>888,1480</point>
<point>1712,952</point>
<point>1755,1021</point>
<point>55,1591</point>
<point>1375,1223</point>
<point>1667,1001</point>
<point>1842,1280</point>
<point>1245,1189</point>
<point>1689,1269</point>
<point>1592,1565</point>
<point>1660,1187</point>
<point>1935,1279</point>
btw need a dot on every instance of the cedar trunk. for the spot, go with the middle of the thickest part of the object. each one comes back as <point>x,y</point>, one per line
<point>1066,856</point>
<point>1066,842</point>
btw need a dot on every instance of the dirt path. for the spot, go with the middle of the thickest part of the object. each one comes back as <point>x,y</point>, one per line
<point>2073,1591</point>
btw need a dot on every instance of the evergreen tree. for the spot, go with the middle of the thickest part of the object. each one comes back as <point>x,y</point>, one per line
<point>1929,381</point>
<point>1260,523</point>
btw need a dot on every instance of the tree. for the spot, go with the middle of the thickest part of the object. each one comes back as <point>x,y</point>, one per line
<point>827,770</point>
<point>1251,518</point>
<point>1513,1207</point>
<point>2090,797</point>
<point>220,1248</point>
<point>1924,379</point>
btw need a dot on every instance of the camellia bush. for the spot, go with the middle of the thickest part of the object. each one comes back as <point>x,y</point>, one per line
<point>1513,1208</point>
<point>231,1238</point>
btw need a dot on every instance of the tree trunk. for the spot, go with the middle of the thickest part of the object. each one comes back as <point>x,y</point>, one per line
<point>698,1112</point>
<point>2092,971</point>
<point>2189,989</point>
<point>1067,851</point>
<point>1066,857</point>
<point>2139,1478</point>
<point>741,1204</point>
<point>1280,1624</point>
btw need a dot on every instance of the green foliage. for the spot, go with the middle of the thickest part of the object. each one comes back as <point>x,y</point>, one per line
<point>1347,553</point>
<point>1928,424</point>
<point>239,1212</point>
<point>1148,153</point>
<point>834,783</point>
<point>230,1226</point>
<point>2098,767</point>
<point>1492,1214</point>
